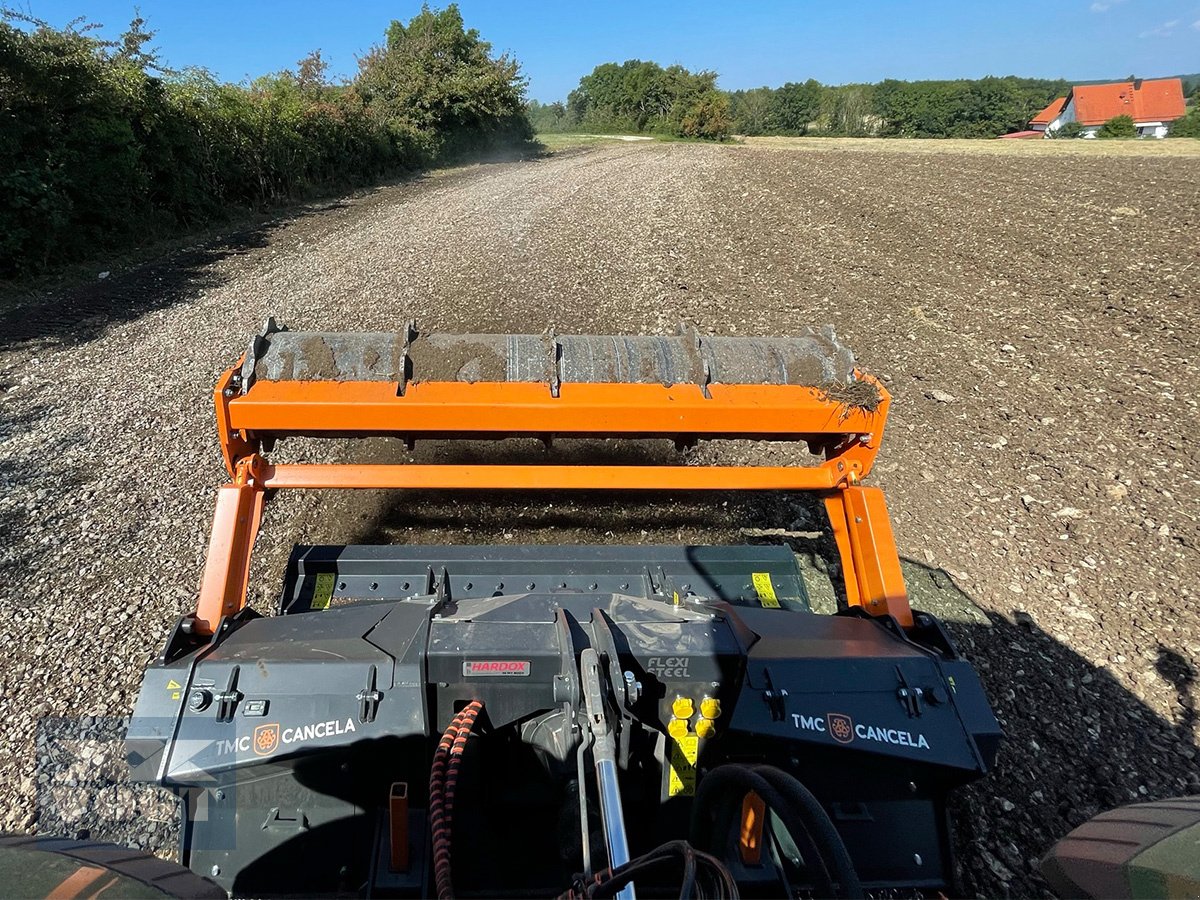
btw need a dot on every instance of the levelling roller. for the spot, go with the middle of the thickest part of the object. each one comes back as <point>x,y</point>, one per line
<point>815,358</point>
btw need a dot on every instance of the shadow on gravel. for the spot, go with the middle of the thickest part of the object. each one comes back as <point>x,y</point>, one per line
<point>1077,741</point>
<point>15,469</point>
<point>79,314</point>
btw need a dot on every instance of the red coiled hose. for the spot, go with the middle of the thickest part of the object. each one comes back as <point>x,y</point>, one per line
<point>443,779</point>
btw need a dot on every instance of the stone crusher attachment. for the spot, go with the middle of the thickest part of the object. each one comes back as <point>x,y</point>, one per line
<point>528,720</point>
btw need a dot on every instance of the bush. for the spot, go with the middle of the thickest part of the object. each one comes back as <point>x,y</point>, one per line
<point>102,147</point>
<point>707,117</point>
<point>1118,127</point>
<point>1067,130</point>
<point>1188,126</point>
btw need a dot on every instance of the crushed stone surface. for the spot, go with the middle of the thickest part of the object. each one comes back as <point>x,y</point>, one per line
<point>1040,343</point>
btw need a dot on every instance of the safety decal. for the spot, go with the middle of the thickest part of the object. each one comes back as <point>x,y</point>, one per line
<point>322,590</point>
<point>682,778</point>
<point>765,590</point>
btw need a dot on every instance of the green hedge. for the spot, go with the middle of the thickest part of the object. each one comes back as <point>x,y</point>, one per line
<point>102,151</point>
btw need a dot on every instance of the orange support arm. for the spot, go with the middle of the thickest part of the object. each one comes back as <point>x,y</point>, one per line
<point>227,566</point>
<point>867,547</point>
<point>849,438</point>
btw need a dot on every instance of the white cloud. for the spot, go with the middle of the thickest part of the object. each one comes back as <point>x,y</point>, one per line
<point>1100,6</point>
<point>1166,29</point>
<point>1196,25</point>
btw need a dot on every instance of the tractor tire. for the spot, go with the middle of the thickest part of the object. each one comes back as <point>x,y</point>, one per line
<point>35,866</point>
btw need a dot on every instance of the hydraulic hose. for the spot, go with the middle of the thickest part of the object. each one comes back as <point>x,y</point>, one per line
<point>821,827</point>
<point>818,841</point>
<point>714,810</point>
<point>443,779</point>
<point>718,882</point>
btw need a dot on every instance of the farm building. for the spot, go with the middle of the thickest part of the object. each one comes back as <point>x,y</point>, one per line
<point>1152,103</point>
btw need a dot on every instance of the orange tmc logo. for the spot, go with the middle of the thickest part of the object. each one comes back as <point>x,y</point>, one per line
<point>266,739</point>
<point>841,727</point>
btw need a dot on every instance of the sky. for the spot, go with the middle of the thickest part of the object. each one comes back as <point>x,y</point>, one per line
<point>747,43</point>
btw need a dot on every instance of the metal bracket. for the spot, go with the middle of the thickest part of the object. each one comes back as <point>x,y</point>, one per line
<point>368,699</point>
<point>258,346</point>
<point>776,699</point>
<point>554,349</point>
<point>605,642</point>
<point>910,697</point>
<point>229,698</point>
<point>706,362</point>
<point>410,335</point>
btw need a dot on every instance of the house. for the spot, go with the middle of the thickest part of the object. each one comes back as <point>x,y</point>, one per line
<point>1051,115</point>
<point>1152,103</point>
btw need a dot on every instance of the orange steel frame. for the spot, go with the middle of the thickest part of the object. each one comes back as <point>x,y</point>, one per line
<point>849,437</point>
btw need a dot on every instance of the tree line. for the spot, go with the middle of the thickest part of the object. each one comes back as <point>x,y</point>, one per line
<point>102,144</point>
<point>639,96</point>
<point>643,97</point>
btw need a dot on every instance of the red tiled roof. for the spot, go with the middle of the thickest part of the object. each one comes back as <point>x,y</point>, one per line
<point>1023,134</point>
<point>1159,100</point>
<point>1152,100</point>
<point>1050,113</point>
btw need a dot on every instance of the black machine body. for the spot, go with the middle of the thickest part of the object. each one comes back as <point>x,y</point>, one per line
<point>301,744</point>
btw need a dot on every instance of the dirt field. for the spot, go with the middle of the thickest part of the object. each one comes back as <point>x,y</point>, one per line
<point>1034,314</point>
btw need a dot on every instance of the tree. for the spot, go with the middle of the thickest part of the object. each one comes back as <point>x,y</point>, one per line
<point>1118,127</point>
<point>103,148</point>
<point>548,117</point>
<point>638,95</point>
<point>311,73</point>
<point>438,80</point>
<point>849,110</point>
<point>131,47</point>
<point>794,106</point>
<point>750,110</point>
<point>980,108</point>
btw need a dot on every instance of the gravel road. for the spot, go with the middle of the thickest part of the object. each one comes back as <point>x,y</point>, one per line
<point>1036,319</point>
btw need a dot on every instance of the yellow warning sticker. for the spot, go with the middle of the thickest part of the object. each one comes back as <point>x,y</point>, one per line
<point>766,590</point>
<point>174,687</point>
<point>322,591</point>
<point>682,778</point>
